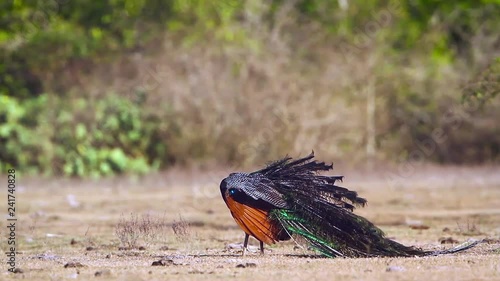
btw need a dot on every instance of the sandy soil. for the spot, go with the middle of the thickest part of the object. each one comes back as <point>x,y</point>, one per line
<point>67,229</point>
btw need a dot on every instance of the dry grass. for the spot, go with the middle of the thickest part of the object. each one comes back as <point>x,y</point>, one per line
<point>133,230</point>
<point>53,234</point>
<point>182,229</point>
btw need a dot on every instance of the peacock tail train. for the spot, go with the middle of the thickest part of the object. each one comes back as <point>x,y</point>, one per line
<point>352,236</point>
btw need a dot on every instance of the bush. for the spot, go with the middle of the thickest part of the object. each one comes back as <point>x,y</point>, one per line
<point>26,144</point>
<point>81,137</point>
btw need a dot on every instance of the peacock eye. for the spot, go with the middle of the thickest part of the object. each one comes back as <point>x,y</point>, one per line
<point>232,191</point>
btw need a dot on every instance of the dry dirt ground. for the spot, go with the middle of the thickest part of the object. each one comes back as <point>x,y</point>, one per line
<point>70,229</point>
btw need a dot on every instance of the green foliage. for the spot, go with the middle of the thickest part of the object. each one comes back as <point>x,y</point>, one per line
<point>117,136</point>
<point>20,135</point>
<point>201,17</point>
<point>485,87</point>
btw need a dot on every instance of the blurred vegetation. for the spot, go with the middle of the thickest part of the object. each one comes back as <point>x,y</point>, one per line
<point>92,89</point>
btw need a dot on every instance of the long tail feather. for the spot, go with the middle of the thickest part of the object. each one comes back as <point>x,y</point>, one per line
<point>321,212</point>
<point>462,247</point>
<point>357,238</point>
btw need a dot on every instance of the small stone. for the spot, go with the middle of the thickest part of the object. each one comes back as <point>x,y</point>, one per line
<point>90,248</point>
<point>18,270</point>
<point>251,264</point>
<point>395,268</point>
<point>104,272</point>
<point>250,248</point>
<point>158,263</point>
<point>73,241</point>
<point>162,262</point>
<point>235,246</point>
<point>419,226</point>
<point>142,248</point>
<point>447,240</point>
<point>240,265</point>
<point>46,256</point>
<point>71,198</point>
<point>108,256</point>
<point>73,265</point>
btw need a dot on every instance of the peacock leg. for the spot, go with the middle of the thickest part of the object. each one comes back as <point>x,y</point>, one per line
<point>261,247</point>
<point>245,244</point>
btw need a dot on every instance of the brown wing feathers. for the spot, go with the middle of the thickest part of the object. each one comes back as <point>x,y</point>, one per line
<point>253,221</point>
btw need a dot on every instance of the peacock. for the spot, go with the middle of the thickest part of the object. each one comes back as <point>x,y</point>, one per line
<point>290,197</point>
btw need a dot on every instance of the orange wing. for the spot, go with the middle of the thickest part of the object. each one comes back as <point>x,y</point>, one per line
<point>253,221</point>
